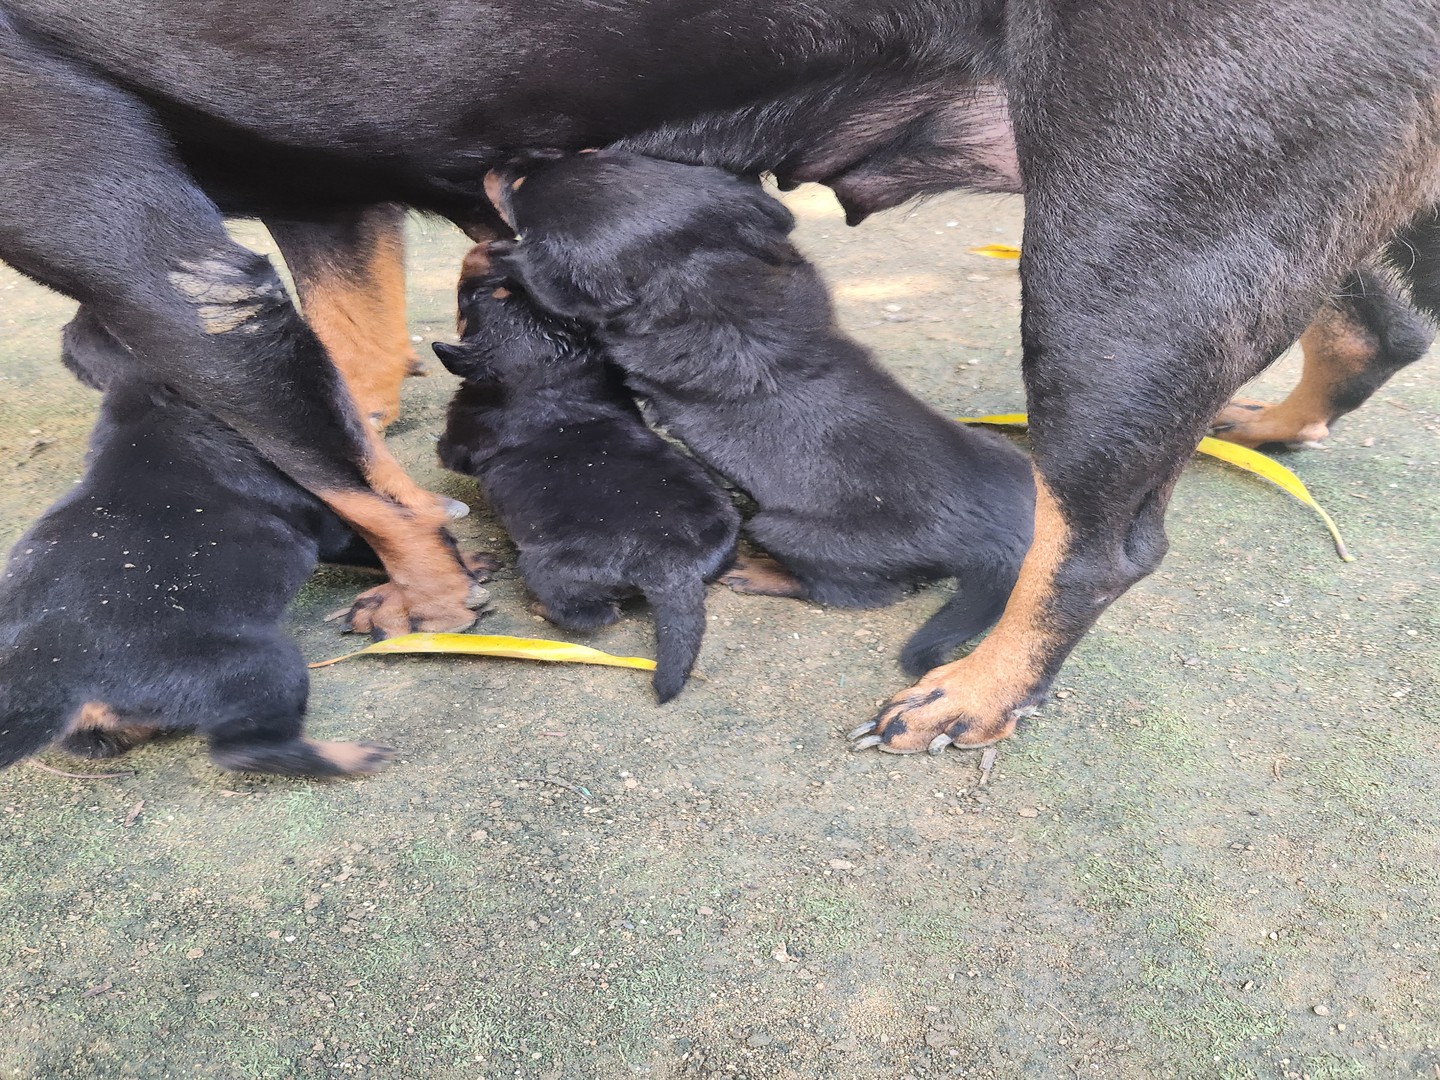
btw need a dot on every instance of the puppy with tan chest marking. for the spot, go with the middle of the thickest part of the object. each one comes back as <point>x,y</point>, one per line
<point>690,281</point>
<point>149,598</point>
<point>600,506</point>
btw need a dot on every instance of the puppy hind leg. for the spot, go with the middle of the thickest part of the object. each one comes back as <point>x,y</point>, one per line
<point>98,732</point>
<point>974,607</point>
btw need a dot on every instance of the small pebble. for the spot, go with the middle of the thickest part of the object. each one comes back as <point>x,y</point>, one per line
<point>1321,1010</point>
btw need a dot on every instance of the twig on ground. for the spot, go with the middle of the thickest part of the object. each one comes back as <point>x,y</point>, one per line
<point>1062,1016</point>
<point>987,763</point>
<point>77,775</point>
<point>559,783</point>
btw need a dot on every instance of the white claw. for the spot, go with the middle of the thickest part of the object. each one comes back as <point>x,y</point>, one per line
<point>454,508</point>
<point>865,743</point>
<point>897,750</point>
<point>863,729</point>
<point>939,743</point>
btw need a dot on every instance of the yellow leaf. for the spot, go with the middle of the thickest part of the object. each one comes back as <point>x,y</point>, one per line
<point>495,645</point>
<point>1270,469</point>
<point>1241,457</point>
<point>997,251</point>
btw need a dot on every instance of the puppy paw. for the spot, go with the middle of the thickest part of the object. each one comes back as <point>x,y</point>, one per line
<point>761,576</point>
<point>481,564</point>
<point>353,758</point>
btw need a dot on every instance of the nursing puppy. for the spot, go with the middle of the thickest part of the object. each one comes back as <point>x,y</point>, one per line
<point>688,276</point>
<point>600,506</point>
<point>149,598</point>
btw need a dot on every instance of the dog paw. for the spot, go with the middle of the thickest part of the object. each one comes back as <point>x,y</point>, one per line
<point>389,610</point>
<point>761,576</point>
<point>1256,423</point>
<point>946,708</point>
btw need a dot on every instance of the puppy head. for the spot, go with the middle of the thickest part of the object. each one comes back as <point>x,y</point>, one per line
<point>607,232</point>
<point>507,339</point>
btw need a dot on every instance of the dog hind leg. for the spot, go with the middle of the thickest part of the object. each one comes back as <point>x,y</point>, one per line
<point>1360,339</point>
<point>98,208</point>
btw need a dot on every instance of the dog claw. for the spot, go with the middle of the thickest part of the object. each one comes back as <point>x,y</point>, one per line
<point>477,597</point>
<point>865,743</point>
<point>863,729</point>
<point>454,508</point>
<point>939,744</point>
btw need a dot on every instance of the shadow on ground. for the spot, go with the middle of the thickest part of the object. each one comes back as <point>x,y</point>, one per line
<point>1215,854</point>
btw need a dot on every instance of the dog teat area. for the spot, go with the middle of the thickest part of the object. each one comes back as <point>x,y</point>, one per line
<point>1213,852</point>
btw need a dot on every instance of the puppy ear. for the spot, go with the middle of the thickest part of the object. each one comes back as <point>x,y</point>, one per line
<point>456,358</point>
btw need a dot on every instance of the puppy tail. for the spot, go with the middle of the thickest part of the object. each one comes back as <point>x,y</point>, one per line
<point>679,608</point>
<point>973,609</point>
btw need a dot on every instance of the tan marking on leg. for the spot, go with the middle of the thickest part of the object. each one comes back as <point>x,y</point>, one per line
<point>430,589</point>
<point>1336,350</point>
<point>358,313</point>
<point>355,759</point>
<point>974,699</point>
<point>758,575</point>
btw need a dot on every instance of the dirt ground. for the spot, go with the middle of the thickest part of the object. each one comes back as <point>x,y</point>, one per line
<point>1213,855</point>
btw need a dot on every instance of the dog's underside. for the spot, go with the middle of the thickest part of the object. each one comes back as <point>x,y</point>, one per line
<point>1200,180</point>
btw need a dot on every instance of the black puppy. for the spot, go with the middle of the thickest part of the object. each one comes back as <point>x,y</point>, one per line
<point>694,288</point>
<point>600,506</point>
<point>149,598</point>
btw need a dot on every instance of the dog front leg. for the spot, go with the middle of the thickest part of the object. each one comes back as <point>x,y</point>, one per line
<point>1166,260</point>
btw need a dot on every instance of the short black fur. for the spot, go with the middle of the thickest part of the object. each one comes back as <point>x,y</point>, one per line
<point>150,596</point>
<point>690,278</point>
<point>600,506</point>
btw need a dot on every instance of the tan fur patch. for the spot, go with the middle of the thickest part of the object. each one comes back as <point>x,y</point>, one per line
<point>762,576</point>
<point>95,716</point>
<point>1336,350</point>
<point>984,689</point>
<point>359,316</point>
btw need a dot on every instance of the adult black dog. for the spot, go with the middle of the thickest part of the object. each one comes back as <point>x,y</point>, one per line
<point>1200,178</point>
<point>688,275</point>
<point>599,505</point>
<point>149,598</point>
